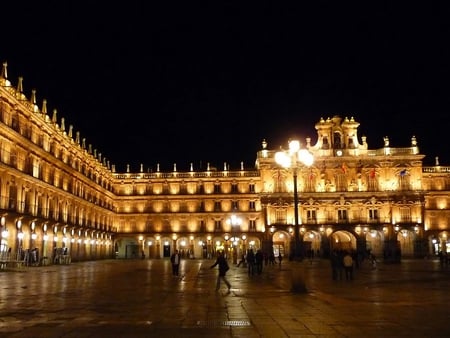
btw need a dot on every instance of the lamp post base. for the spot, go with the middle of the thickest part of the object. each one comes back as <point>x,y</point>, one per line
<point>298,279</point>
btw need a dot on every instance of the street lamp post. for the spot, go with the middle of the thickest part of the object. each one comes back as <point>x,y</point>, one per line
<point>234,221</point>
<point>291,159</point>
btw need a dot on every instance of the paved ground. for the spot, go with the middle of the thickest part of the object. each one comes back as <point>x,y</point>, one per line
<point>141,298</point>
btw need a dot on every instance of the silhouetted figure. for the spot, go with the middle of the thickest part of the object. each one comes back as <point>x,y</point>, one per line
<point>223,268</point>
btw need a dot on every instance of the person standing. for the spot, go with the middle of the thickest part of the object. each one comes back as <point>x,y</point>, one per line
<point>334,260</point>
<point>223,268</point>
<point>250,262</point>
<point>175,259</point>
<point>259,259</point>
<point>348,266</point>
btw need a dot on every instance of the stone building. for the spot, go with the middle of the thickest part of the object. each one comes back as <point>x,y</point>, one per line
<point>61,200</point>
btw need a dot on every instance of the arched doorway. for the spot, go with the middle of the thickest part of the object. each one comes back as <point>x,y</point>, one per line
<point>406,239</point>
<point>343,240</point>
<point>281,243</point>
<point>312,242</point>
<point>374,242</point>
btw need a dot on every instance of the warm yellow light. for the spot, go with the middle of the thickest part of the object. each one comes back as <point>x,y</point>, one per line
<point>294,146</point>
<point>305,157</point>
<point>282,159</point>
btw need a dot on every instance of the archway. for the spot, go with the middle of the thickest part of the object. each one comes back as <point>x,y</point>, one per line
<point>281,243</point>
<point>374,242</point>
<point>406,239</point>
<point>342,240</point>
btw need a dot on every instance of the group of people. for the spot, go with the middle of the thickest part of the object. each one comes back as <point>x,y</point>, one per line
<point>221,262</point>
<point>344,262</point>
<point>253,260</point>
<point>341,261</point>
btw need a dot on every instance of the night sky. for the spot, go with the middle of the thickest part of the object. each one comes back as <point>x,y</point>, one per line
<point>186,81</point>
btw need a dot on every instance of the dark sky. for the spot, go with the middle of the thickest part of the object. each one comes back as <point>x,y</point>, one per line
<point>186,81</point>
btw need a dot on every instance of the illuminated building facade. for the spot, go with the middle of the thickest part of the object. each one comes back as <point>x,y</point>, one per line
<point>61,198</point>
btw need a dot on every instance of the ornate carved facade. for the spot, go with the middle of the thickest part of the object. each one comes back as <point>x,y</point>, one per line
<point>60,196</point>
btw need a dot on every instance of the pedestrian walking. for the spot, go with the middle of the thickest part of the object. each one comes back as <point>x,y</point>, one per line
<point>175,259</point>
<point>373,260</point>
<point>223,268</point>
<point>280,258</point>
<point>242,261</point>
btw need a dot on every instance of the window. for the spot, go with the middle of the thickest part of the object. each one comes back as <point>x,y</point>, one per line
<point>251,187</point>
<point>217,206</point>
<point>341,182</point>
<point>235,205</point>
<point>405,215</point>
<point>234,188</point>
<point>342,215</point>
<point>404,183</point>
<point>252,205</point>
<point>311,215</point>
<point>217,188</point>
<point>373,214</point>
<point>252,225</point>
<point>218,225</point>
<point>35,169</point>
<point>280,216</point>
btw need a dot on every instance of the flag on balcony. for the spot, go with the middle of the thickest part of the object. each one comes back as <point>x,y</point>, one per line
<point>372,173</point>
<point>344,168</point>
<point>403,173</point>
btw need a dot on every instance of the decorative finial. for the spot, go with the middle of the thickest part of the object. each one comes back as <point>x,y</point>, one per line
<point>19,90</point>
<point>242,165</point>
<point>90,149</point>
<point>174,167</point>
<point>128,168</point>
<point>264,144</point>
<point>141,168</point>
<point>70,130</point>
<point>44,107</point>
<point>77,137</point>
<point>33,101</point>
<point>436,159</point>
<point>191,167</point>
<point>55,112</point>
<point>4,73</point>
<point>83,143</point>
<point>157,167</point>
<point>63,124</point>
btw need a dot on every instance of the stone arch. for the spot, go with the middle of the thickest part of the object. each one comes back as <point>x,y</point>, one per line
<point>343,240</point>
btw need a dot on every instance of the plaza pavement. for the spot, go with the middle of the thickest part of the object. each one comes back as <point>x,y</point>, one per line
<point>141,298</point>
